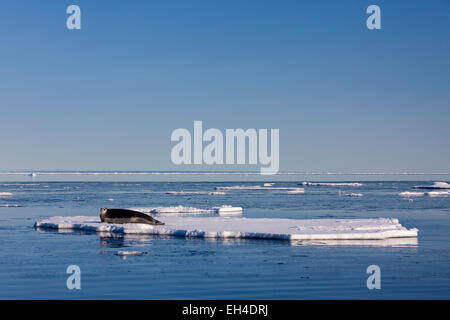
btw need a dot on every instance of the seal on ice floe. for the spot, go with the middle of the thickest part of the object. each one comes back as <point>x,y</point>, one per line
<point>121,216</point>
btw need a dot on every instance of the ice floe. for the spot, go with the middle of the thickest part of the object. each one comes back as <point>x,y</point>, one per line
<point>182,193</point>
<point>435,185</point>
<point>261,188</point>
<point>438,193</point>
<point>332,184</point>
<point>130,253</point>
<point>296,191</point>
<point>232,227</point>
<point>353,194</point>
<point>411,194</point>
<point>5,194</point>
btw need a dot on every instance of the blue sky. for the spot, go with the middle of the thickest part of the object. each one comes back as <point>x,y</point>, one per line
<point>108,96</point>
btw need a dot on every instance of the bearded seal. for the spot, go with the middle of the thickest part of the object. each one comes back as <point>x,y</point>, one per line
<point>121,216</point>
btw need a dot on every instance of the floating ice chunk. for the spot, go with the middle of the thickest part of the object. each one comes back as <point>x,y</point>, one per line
<point>10,205</point>
<point>435,185</point>
<point>130,253</point>
<point>438,193</point>
<point>267,184</point>
<point>232,227</point>
<point>411,194</point>
<point>332,184</point>
<point>240,188</point>
<point>125,254</point>
<point>354,194</point>
<point>296,191</point>
<point>5,194</point>
<point>110,199</point>
<point>258,188</point>
<point>228,210</point>
<point>195,192</point>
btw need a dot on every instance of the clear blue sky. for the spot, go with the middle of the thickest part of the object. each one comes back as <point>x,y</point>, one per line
<point>108,96</point>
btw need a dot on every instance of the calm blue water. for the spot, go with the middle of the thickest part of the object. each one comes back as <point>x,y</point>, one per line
<point>33,263</point>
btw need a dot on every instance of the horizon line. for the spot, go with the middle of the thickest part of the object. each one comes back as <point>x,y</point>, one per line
<point>180,172</point>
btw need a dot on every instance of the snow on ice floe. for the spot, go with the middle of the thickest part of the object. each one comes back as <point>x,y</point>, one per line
<point>435,185</point>
<point>181,210</point>
<point>332,184</point>
<point>182,193</point>
<point>5,194</point>
<point>232,227</point>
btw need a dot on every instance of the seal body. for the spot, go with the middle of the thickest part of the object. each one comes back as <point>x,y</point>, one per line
<point>121,216</point>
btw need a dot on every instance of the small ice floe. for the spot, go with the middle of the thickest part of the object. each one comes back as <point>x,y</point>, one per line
<point>353,194</point>
<point>411,194</point>
<point>241,188</point>
<point>296,191</point>
<point>268,184</point>
<point>181,210</point>
<point>10,205</point>
<point>125,254</point>
<point>238,227</point>
<point>6,194</point>
<point>183,193</point>
<point>260,188</point>
<point>110,199</point>
<point>228,210</point>
<point>332,184</point>
<point>439,193</point>
<point>435,185</point>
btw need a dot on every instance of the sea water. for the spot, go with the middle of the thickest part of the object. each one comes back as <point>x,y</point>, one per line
<point>33,263</point>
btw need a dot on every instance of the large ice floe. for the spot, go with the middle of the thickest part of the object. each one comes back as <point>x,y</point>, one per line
<point>232,227</point>
<point>435,185</point>
<point>181,210</point>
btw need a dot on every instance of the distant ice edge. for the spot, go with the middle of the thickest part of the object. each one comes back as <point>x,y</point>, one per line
<point>226,228</point>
